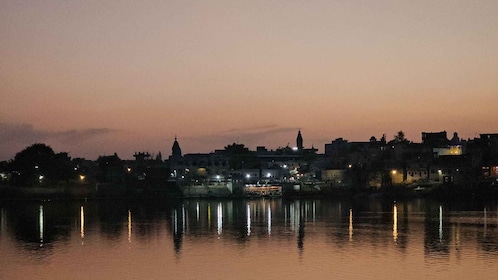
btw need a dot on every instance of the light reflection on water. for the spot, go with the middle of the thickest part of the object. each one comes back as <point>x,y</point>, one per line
<point>248,239</point>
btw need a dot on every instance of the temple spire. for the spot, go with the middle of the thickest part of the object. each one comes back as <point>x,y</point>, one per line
<point>299,141</point>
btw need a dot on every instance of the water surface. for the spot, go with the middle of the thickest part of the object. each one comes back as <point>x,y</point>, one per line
<point>248,239</point>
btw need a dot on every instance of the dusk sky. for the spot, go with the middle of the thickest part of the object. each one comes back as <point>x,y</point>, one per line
<point>97,77</point>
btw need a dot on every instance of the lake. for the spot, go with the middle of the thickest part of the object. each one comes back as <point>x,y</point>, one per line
<point>366,238</point>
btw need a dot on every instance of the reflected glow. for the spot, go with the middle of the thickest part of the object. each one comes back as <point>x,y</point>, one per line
<point>197,210</point>
<point>440,223</point>
<point>209,215</point>
<point>184,222</point>
<point>296,213</point>
<point>334,245</point>
<point>285,217</point>
<point>41,224</point>
<point>395,223</point>
<point>82,222</point>
<point>269,220</point>
<point>248,220</point>
<point>220,218</point>
<point>129,226</point>
<point>175,222</point>
<point>350,224</point>
<point>291,218</point>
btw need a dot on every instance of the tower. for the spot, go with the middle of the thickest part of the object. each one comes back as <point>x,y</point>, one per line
<point>176,151</point>
<point>175,159</point>
<point>299,141</point>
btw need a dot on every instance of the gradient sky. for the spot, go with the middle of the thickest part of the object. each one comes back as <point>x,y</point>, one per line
<point>97,77</point>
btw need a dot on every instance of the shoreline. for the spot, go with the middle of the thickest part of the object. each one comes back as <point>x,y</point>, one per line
<point>97,192</point>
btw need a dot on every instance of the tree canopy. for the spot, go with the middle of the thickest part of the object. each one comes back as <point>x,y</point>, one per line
<point>38,163</point>
<point>241,157</point>
<point>400,137</point>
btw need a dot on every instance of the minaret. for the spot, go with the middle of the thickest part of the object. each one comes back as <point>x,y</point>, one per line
<point>299,141</point>
<point>176,151</point>
<point>175,158</point>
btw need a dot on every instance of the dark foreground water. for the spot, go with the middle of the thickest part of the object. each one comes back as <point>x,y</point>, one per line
<point>248,239</point>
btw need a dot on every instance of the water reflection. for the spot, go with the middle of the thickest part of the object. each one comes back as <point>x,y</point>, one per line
<point>435,228</point>
<point>248,220</point>
<point>395,223</point>
<point>82,223</point>
<point>220,218</point>
<point>350,225</point>
<point>129,226</point>
<point>3,221</point>
<point>440,224</point>
<point>40,222</point>
<point>269,220</point>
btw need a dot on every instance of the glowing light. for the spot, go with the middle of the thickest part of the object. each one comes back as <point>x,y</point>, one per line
<point>395,223</point>
<point>394,172</point>
<point>197,210</point>
<point>248,220</point>
<point>440,223</point>
<point>129,226</point>
<point>248,176</point>
<point>220,218</point>
<point>350,225</point>
<point>175,222</point>
<point>292,218</point>
<point>209,215</point>
<point>82,222</point>
<point>269,220</point>
<point>314,212</point>
<point>40,221</point>
<point>350,165</point>
<point>128,169</point>
<point>82,177</point>
<point>184,222</point>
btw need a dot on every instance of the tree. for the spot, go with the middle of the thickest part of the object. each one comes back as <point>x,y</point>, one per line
<point>400,137</point>
<point>237,149</point>
<point>111,169</point>
<point>39,164</point>
<point>241,157</point>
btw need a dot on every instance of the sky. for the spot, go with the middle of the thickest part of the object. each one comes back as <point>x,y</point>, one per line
<point>102,77</point>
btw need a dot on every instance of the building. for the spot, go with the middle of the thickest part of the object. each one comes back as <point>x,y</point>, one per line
<point>198,165</point>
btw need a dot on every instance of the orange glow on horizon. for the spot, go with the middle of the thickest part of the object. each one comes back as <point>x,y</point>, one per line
<point>95,79</point>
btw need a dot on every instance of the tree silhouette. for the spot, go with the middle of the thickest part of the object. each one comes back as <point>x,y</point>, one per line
<point>111,169</point>
<point>400,137</point>
<point>241,157</point>
<point>39,164</point>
